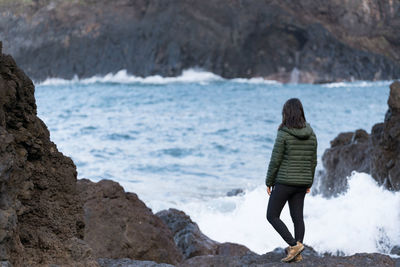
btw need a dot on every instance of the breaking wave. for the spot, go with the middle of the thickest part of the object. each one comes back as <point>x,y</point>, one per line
<point>357,84</point>
<point>366,218</point>
<point>123,77</point>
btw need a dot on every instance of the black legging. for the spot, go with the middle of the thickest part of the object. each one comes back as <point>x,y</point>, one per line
<point>295,196</point>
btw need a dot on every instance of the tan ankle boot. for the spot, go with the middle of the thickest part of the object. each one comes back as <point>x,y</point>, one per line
<point>293,251</point>
<point>298,258</point>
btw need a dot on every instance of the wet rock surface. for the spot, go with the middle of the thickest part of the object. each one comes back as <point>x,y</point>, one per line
<point>377,153</point>
<point>235,192</point>
<point>395,250</point>
<point>272,259</point>
<point>191,241</point>
<point>187,235</point>
<point>40,213</point>
<point>348,152</point>
<point>130,263</point>
<point>119,225</point>
<point>298,41</point>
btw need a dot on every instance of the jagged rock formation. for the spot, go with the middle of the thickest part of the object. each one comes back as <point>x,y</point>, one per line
<point>377,153</point>
<point>192,242</point>
<point>348,152</point>
<point>40,213</point>
<point>299,41</point>
<point>119,225</point>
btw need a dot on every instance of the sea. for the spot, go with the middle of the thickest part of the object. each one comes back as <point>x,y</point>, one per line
<point>190,142</point>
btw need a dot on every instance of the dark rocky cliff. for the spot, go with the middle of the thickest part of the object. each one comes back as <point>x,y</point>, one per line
<point>40,213</point>
<point>324,40</point>
<point>377,153</point>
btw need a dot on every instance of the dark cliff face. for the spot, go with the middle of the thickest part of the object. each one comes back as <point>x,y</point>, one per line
<point>385,143</point>
<point>325,40</point>
<point>369,25</point>
<point>40,216</point>
<point>376,153</point>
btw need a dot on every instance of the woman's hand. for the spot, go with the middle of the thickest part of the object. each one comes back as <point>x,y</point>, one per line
<point>308,190</point>
<point>269,190</point>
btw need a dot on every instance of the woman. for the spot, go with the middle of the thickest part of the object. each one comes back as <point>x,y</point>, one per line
<point>291,174</point>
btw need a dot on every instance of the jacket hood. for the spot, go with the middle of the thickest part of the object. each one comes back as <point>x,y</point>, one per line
<point>301,133</point>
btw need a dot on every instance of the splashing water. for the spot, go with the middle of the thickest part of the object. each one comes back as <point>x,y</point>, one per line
<point>122,77</point>
<point>366,218</point>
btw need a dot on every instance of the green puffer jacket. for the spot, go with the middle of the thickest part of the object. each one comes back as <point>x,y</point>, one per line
<point>293,158</point>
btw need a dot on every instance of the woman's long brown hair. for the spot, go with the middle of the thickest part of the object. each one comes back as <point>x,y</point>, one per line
<point>293,114</point>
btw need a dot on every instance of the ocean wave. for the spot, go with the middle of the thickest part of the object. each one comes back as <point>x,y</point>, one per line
<point>363,219</point>
<point>123,77</point>
<point>357,84</point>
<point>255,80</point>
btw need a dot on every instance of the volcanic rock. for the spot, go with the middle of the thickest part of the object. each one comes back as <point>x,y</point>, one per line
<point>192,242</point>
<point>290,41</point>
<point>348,152</point>
<point>40,214</point>
<point>272,259</point>
<point>235,192</point>
<point>130,263</point>
<point>377,153</point>
<point>119,225</point>
<point>395,250</point>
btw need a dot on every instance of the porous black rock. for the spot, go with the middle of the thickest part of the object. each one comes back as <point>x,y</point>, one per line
<point>40,213</point>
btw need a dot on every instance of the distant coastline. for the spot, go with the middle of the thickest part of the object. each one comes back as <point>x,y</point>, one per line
<point>193,75</point>
<point>313,42</point>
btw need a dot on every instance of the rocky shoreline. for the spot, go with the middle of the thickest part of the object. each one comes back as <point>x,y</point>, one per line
<point>376,153</point>
<point>301,41</point>
<point>49,218</point>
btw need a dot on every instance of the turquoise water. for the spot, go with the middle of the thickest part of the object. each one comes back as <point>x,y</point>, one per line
<point>183,140</point>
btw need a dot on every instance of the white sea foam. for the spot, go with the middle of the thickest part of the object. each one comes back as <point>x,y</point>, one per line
<point>357,84</point>
<point>256,80</point>
<point>192,75</point>
<point>364,219</point>
<point>123,77</point>
<point>57,81</point>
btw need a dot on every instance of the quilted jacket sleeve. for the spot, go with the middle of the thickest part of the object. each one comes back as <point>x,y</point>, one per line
<point>276,158</point>
<point>314,162</point>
